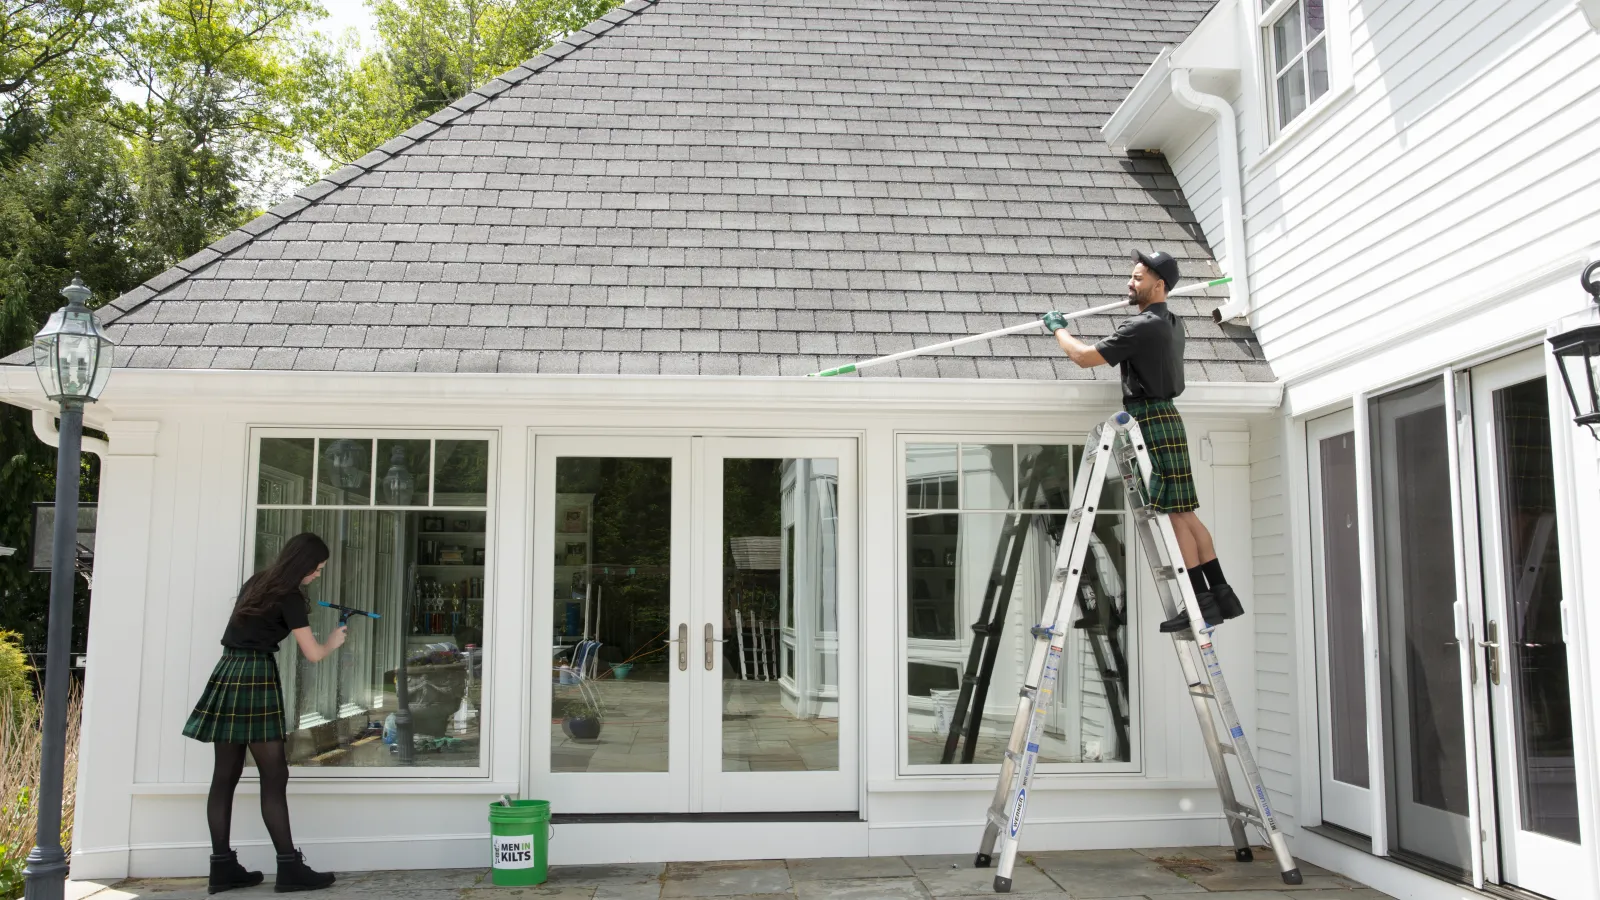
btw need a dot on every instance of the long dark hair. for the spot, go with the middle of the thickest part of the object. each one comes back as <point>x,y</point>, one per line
<point>300,557</point>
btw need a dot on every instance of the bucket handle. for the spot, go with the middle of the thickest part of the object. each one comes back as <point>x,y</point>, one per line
<point>552,827</point>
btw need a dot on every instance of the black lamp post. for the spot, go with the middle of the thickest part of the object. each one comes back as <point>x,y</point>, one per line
<point>73,360</point>
<point>1579,349</point>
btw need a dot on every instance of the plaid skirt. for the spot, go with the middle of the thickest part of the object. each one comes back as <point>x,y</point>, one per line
<point>242,703</point>
<point>1171,484</point>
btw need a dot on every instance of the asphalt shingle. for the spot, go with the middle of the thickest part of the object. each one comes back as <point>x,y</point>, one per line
<point>723,187</point>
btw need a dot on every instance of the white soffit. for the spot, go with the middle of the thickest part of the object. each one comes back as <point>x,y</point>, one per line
<point>1150,118</point>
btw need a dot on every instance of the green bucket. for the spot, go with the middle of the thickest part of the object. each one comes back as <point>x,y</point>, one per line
<point>519,837</point>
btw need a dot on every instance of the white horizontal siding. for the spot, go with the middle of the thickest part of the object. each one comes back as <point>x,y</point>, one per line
<point>1272,611</point>
<point>1468,151</point>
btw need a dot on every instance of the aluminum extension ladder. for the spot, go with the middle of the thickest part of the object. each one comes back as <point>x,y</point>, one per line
<point>1119,440</point>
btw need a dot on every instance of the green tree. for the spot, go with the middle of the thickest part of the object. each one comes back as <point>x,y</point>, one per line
<point>69,205</point>
<point>431,53</point>
<point>52,59</point>
<point>226,91</point>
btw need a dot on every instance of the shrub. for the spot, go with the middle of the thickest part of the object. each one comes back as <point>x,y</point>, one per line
<point>16,676</point>
<point>21,732</point>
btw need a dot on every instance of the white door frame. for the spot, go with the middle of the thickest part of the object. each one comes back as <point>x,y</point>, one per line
<point>720,791</point>
<point>1432,826</point>
<point>611,792</point>
<point>1532,861</point>
<point>1346,805</point>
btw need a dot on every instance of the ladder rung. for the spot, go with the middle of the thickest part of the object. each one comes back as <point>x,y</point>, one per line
<point>1164,573</point>
<point>1248,817</point>
<point>1063,574</point>
<point>1202,692</point>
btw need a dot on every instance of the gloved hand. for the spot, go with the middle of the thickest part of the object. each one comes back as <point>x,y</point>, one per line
<point>1054,321</point>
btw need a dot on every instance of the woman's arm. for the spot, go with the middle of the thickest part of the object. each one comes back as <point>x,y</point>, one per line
<point>314,651</point>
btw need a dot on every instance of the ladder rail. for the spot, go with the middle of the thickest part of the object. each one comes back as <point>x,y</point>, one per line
<point>1120,441</point>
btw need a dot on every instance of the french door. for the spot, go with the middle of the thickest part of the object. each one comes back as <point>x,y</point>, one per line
<point>1459,750</point>
<point>1341,651</point>
<point>1523,667</point>
<point>699,597</point>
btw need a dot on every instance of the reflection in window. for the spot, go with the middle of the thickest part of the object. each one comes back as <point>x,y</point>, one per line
<point>957,562</point>
<point>406,687</point>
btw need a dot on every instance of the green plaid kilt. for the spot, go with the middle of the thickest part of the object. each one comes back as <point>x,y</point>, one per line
<point>1171,475</point>
<point>242,703</point>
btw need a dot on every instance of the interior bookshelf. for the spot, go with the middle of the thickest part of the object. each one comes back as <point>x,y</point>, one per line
<point>450,551</point>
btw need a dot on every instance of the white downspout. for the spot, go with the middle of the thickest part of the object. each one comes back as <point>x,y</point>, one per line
<point>44,428</point>
<point>1232,193</point>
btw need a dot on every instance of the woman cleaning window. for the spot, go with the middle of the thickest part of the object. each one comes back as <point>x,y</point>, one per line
<point>242,707</point>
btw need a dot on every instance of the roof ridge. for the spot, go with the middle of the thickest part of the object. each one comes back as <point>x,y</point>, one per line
<point>309,195</point>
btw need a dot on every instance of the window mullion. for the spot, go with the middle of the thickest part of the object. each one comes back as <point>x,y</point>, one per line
<point>1273,13</point>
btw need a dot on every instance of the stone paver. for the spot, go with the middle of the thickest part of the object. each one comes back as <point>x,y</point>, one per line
<point>1165,873</point>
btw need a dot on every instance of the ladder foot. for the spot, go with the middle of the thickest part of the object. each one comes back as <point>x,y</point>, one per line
<point>1002,885</point>
<point>981,861</point>
<point>1292,876</point>
<point>1243,854</point>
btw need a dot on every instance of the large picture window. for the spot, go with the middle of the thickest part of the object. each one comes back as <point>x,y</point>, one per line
<point>406,522</point>
<point>1295,37</point>
<point>974,513</point>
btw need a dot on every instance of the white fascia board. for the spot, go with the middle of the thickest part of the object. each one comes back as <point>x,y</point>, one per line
<point>1150,118</point>
<point>138,392</point>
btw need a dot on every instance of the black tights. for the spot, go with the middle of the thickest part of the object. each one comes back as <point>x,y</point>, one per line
<point>273,765</point>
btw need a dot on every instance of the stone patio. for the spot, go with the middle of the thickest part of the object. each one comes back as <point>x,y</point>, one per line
<point>1061,875</point>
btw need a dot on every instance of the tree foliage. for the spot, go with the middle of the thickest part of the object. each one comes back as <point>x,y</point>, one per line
<point>431,53</point>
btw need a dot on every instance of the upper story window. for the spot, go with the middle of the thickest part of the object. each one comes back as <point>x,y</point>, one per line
<point>1295,37</point>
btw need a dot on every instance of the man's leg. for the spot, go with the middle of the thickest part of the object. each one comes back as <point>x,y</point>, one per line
<point>1206,564</point>
<point>1199,549</point>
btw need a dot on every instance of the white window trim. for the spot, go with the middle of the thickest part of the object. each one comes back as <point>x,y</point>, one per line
<point>1336,34</point>
<point>985,773</point>
<point>419,775</point>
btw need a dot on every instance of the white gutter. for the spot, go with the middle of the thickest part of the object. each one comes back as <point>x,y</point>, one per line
<point>1227,128</point>
<point>44,427</point>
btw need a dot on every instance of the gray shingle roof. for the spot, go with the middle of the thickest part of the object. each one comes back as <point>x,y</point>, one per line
<point>723,187</point>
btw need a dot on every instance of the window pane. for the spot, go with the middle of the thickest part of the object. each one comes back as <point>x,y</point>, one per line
<point>1425,739</point>
<point>1341,589</point>
<point>1088,721</point>
<point>1317,60</point>
<point>1535,654</point>
<point>931,476</point>
<point>780,721</point>
<point>987,476</point>
<point>1316,19</point>
<point>406,688</point>
<point>611,592</point>
<point>285,474</point>
<point>1052,466</point>
<point>931,545</point>
<point>403,473</point>
<point>461,473</point>
<point>344,473</point>
<point>1292,93</point>
<point>1286,38</point>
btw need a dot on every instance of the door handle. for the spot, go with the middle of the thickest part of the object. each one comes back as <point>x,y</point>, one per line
<point>1492,632</point>
<point>683,646</point>
<point>711,658</point>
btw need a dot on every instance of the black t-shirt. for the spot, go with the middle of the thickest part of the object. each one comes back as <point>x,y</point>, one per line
<point>265,631</point>
<point>1149,348</point>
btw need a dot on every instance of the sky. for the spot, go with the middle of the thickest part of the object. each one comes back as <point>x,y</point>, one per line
<point>343,14</point>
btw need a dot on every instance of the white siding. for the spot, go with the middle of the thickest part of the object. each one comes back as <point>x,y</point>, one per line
<point>1274,611</point>
<point>1466,155</point>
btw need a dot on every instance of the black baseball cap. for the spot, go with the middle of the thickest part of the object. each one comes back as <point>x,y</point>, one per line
<point>1160,263</point>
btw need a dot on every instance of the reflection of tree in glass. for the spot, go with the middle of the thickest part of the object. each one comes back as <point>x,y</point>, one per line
<point>463,467</point>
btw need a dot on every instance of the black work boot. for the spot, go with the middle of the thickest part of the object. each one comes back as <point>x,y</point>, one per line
<point>227,874</point>
<point>295,875</point>
<point>1208,608</point>
<point>1227,602</point>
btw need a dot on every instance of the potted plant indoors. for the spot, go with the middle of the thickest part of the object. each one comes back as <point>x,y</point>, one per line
<point>584,716</point>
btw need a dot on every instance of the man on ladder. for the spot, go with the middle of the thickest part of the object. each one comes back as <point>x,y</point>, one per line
<point>1148,347</point>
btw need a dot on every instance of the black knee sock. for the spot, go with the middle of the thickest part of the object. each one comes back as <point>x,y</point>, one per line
<point>1213,572</point>
<point>273,764</point>
<point>1198,580</point>
<point>225,772</point>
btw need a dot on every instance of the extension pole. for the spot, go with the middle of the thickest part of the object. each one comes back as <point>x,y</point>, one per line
<point>991,335</point>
